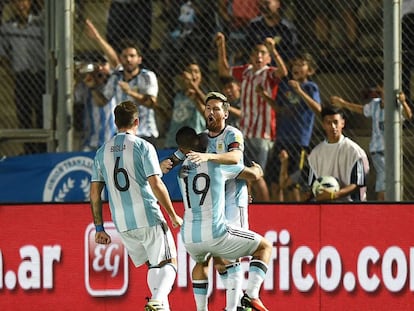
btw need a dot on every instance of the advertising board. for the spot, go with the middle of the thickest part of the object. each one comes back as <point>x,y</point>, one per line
<point>325,257</point>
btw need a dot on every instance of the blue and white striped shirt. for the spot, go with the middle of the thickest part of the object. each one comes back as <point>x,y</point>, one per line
<point>124,163</point>
<point>236,189</point>
<point>145,82</point>
<point>99,121</point>
<point>202,187</point>
<point>373,109</point>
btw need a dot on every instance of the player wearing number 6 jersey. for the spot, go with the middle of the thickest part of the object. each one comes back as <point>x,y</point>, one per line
<point>205,231</point>
<point>129,167</point>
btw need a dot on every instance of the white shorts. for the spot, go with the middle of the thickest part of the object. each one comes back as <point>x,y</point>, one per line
<point>234,244</point>
<point>153,244</point>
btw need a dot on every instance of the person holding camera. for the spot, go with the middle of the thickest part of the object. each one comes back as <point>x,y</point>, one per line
<point>97,122</point>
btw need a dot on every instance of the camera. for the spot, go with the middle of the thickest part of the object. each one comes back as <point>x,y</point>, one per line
<point>88,68</point>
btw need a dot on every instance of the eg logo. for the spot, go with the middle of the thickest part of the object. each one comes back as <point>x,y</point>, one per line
<point>106,266</point>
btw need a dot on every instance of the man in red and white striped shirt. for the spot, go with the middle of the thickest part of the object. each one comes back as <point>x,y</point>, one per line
<point>259,84</point>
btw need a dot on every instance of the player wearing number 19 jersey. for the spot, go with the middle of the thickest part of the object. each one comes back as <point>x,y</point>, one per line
<point>129,167</point>
<point>205,231</point>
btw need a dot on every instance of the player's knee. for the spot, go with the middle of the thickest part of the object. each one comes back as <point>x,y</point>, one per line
<point>263,251</point>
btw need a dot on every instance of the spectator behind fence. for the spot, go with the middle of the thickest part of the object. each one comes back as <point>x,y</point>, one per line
<point>191,35</point>
<point>22,45</point>
<point>129,19</point>
<point>235,15</point>
<point>97,121</point>
<point>375,110</point>
<point>232,90</point>
<point>188,106</point>
<point>271,24</point>
<point>297,103</point>
<point>333,25</point>
<point>339,157</point>
<point>130,82</point>
<point>258,121</point>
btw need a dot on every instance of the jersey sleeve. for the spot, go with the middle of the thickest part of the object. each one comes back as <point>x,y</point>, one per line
<point>234,140</point>
<point>368,109</point>
<point>231,171</point>
<point>150,86</point>
<point>109,89</point>
<point>179,155</point>
<point>151,162</point>
<point>97,172</point>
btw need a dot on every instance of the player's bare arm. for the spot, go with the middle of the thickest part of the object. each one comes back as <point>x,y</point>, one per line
<point>252,173</point>
<point>161,193</point>
<point>231,157</point>
<point>101,236</point>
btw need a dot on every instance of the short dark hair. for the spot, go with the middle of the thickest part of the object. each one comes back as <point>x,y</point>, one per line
<point>186,137</point>
<point>191,60</point>
<point>202,142</point>
<point>125,114</point>
<point>305,57</point>
<point>330,110</point>
<point>128,43</point>
<point>226,80</point>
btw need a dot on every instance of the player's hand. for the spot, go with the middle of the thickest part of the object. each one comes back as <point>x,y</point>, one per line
<point>176,221</point>
<point>198,157</point>
<point>166,166</point>
<point>257,165</point>
<point>102,238</point>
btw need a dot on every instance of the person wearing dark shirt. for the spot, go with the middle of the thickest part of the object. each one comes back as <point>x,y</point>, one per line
<point>270,23</point>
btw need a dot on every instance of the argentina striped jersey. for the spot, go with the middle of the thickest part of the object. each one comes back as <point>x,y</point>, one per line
<point>236,189</point>
<point>124,163</point>
<point>202,187</point>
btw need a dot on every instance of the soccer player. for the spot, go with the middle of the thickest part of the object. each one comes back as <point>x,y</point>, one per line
<point>206,232</point>
<point>129,167</point>
<point>225,146</point>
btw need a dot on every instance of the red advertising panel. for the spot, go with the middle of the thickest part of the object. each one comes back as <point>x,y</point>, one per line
<point>325,257</point>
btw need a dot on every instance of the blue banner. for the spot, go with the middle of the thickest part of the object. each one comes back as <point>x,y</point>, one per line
<point>58,177</point>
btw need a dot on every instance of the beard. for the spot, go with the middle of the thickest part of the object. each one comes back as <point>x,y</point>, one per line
<point>130,68</point>
<point>214,126</point>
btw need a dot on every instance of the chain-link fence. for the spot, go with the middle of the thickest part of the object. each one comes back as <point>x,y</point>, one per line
<point>345,39</point>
